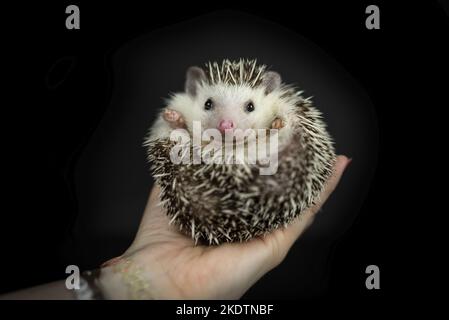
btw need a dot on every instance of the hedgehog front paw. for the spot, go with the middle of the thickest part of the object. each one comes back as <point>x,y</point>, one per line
<point>174,118</point>
<point>277,124</point>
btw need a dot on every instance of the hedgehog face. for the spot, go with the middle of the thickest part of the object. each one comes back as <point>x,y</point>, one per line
<point>229,107</point>
<point>234,95</point>
<point>203,199</point>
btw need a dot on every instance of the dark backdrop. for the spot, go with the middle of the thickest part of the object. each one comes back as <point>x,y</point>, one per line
<point>111,176</point>
<point>76,178</point>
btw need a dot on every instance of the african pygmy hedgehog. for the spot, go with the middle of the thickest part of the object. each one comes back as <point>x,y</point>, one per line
<point>227,202</point>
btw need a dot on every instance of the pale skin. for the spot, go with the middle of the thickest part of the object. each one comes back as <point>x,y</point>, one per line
<point>174,268</point>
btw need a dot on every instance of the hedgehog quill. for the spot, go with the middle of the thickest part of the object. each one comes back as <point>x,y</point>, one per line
<point>231,201</point>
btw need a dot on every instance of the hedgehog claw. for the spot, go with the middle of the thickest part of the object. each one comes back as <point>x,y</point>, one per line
<point>277,124</point>
<point>174,118</point>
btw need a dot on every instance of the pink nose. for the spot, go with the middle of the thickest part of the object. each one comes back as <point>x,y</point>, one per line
<point>225,125</point>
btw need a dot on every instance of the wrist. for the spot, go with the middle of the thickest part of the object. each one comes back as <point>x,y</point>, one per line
<point>112,285</point>
<point>123,279</point>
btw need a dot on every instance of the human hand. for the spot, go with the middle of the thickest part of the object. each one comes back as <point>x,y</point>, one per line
<point>162,263</point>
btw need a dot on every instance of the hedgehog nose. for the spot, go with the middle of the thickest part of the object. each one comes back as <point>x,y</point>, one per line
<point>225,125</point>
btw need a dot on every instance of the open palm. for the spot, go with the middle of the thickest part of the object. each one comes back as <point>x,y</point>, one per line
<point>175,268</point>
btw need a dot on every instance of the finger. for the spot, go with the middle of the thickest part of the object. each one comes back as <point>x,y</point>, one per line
<point>265,253</point>
<point>290,234</point>
<point>339,167</point>
<point>155,226</point>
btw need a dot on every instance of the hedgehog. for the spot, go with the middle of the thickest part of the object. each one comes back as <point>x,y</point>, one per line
<point>231,201</point>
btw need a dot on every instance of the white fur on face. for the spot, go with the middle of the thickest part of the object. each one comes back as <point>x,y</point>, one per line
<point>229,104</point>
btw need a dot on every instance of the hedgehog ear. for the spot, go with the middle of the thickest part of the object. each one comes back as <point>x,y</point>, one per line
<point>194,77</point>
<point>271,81</point>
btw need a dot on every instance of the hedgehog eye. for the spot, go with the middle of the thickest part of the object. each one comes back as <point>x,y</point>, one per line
<point>249,107</point>
<point>208,104</point>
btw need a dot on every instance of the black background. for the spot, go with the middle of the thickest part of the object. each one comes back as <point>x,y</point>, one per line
<point>401,67</point>
<point>111,180</point>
